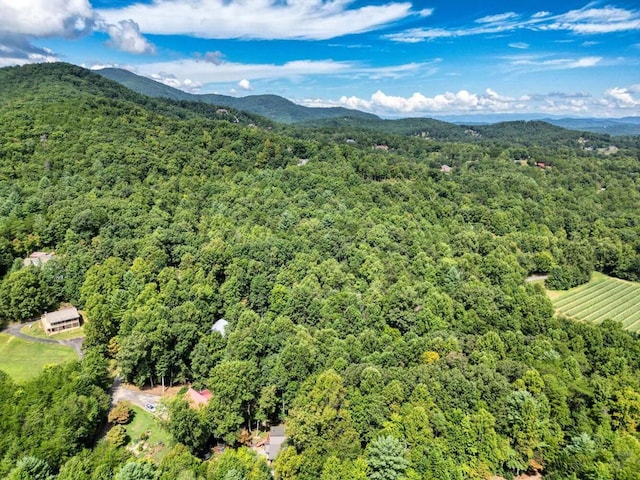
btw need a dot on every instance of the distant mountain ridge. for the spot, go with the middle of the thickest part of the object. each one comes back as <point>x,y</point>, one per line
<point>273,107</point>
<point>611,126</point>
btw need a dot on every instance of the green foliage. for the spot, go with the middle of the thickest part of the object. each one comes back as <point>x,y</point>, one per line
<point>23,295</point>
<point>369,294</point>
<point>137,471</point>
<point>121,413</point>
<point>385,457</point>
<point>188,426</point>
<point>117,436</point>
<point>241,463</point>
<point>31,468</point>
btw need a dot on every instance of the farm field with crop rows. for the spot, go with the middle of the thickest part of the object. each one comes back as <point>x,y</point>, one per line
<point>603,297</point>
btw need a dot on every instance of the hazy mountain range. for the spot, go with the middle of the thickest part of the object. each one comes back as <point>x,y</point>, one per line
<point>280,109</point>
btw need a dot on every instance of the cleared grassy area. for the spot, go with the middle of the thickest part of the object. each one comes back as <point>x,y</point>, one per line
<point>35,330</point>
<point>603,297</point>
<point>24,360</point>
<point>148,438</point>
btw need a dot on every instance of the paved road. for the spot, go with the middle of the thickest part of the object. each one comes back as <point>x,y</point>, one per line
<point>535,278</point>
<point>15,328</point>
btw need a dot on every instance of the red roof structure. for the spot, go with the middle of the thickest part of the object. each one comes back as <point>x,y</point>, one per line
<point>198,398</point>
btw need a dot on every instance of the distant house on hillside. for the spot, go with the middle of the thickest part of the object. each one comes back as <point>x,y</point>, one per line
<point>220,326</point>
<point>37,259</point>
<point>275,441</point>
<point>302,161</point>
<point>381,147</point>
<point>63,319</point>
<point>445,169</point>
<point>198,398</point>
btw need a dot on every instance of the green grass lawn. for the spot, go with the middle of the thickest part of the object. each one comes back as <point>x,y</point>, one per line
<point>156,444</point>
<point>24,360</point>
<point>35,330</point>
<point>601,298</point>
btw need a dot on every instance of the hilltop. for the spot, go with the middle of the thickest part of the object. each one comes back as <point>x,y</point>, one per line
<point>271,106</point>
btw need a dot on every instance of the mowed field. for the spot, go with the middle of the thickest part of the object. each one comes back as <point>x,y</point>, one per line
<point>24,360</point>
<point>603,297</point>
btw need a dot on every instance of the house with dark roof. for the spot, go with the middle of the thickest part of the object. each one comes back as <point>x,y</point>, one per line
<point>63,319</point>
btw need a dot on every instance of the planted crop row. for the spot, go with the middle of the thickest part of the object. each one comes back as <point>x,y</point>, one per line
<point>609,309</point>
<point>631,318</point>
<point>610,303</point>
<point>606,296</point>
<point>632,308</point>
<point>589,295</point>
<point>602,299</point>
<point>591,287</point>
<point>633,323</point>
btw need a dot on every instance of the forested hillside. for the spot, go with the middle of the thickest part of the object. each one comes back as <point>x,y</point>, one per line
<point>273,107</point>
<point>377,305</point>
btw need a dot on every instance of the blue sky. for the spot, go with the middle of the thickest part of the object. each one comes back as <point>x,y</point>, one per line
<point>390,57</point>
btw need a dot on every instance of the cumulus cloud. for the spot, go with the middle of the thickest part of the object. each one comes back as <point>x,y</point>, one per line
<point>125,36</point>
<point>213,57</point>
<point>16,50</point>
<point>258,19</point>
<point>426,12</point>
<point>623,97</point>
<point>245,84</point>
<point>46,18</point>
<point>169,79</point>
<point>620,100</point>
<point>25,20</point>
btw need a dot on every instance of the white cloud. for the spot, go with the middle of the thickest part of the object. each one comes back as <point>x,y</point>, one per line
<point>263,19</point>
<point>622,97</point>
<point>615,101</point>
<point>188,85</point>
<point>520,45</point>
<point>21,21</point>
<point>46,18</point>
<point>497,18</point>
<point>597,20</point>
<point>125,36</point>
<point>232,72</point>
<point>426,12</point>
<point>583,21</point>
<point>557,63</point>
<point>245,84</point>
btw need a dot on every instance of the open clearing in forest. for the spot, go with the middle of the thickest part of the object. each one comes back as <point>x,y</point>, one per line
<point>148,438</point>
<point>24,360</point>
<point>601,298</point>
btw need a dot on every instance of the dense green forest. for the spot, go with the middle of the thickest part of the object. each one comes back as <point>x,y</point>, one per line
<point>376,304</point>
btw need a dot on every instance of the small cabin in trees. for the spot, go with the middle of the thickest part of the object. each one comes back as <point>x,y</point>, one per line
<point>445,169</point>
<point>60,320</point>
